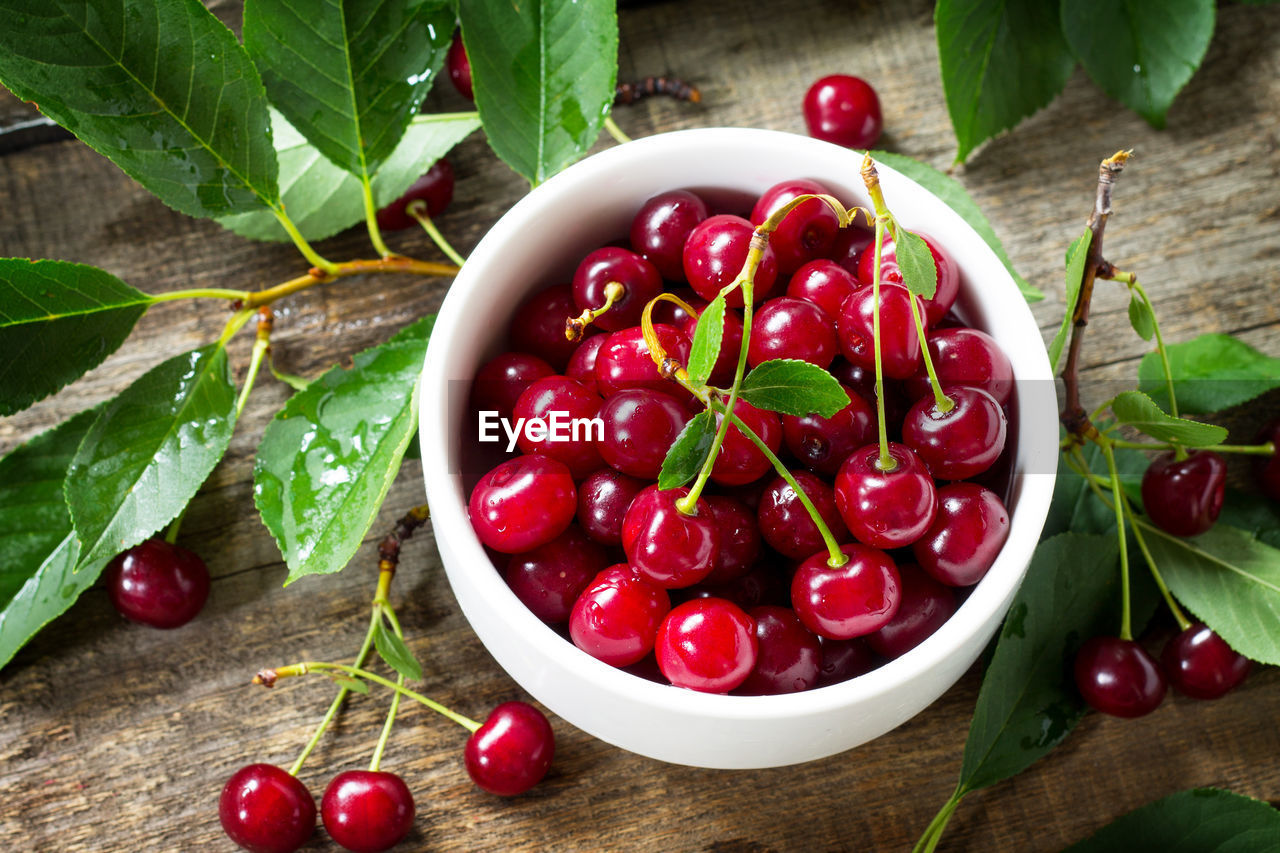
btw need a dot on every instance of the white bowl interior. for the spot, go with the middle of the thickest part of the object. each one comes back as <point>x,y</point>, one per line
<point>538,243</point>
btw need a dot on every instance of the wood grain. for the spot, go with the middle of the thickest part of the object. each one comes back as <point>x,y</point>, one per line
<point>118,738</point>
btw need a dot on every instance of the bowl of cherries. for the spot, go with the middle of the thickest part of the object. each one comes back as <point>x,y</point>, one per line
<point>710,482</point>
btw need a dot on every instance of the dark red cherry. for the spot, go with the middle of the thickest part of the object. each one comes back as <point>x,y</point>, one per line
<point>730,345</point>
<point>926,605</point>
<point>899,339</point>
<point>961,442</point>
<point>850,244</point>
<point>367,811</point>
<point>523,503</point>
<point>666,546</point>
<point>1118,677</point>
<point>639,279</point>
<point>459,67</point>
<point>845,659</point>
<point>639,428</point>
<point>853,600</point>
<point>157,584</point>
<point>1201,665</point>
<point>792,328</point>
<point>789,658</point>
<point>808,232</point>
<point>785,523</point>
<point>822,444</point>
<point>825,284</point>
<point>512,751</point>
<point>714,255</point>
<point>706,644</point>
<point>672,314</point>
<point>662,226</point>
<point>863,380</point>
<point>265,810</point>
<point>966,535</point>
<point>739,539</point>
<point>539,322</point>
<point>582,364</point>
<point>1267,468</point>
<point>557,413</point>
<point>616,618</point>
<point>762,584</point>
<point>500,381</point>
<point>1184,496</point>
<point>843,109</point>
<point>603,498</point>
<point>549,579</point>
<point>964,356</point>
<point>435,188</point>
<point>624,361</point>
<point>740,461</point>
<point>948,274</point>
<point>886,509</point>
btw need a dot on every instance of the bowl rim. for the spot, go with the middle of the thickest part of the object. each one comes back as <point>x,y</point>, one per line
<point>449,506</point>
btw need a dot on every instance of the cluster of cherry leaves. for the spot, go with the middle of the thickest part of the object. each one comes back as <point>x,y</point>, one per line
<point>300,132</point>
<point>1002,60</point>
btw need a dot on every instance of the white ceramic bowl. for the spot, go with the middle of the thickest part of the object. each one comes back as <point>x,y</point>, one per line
<point>538,243</point>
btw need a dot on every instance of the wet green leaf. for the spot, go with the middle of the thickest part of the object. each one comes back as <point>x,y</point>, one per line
<point>1145,53</point>
<point>349,74</point>
<point>329,456</point>
<point>544,73</point>
<point>1077,254</point>
<point>953,194</point>
<point>395,652</point>
<point>1210,373</point>
<point>707,336</point>
<point>793,387</point>
<point>689,451</point>
<point>1141,317</point>
<point>57,321</point>
<point>38,550</point>
<point>322,199</point>
<point>148,452</point>
<point>1001,60</point>
<point>1195,821</point>
<point>919,272</point>
<point>160,87</point>
<point>1140,412</point>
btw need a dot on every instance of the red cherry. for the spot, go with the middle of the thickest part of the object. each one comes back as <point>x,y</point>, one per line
<point>886,509</point>
<point>961,442</point>
<point>616,618</point>
<point>512,751</point>
<point>1118,677</point>
<point>853,600</point>
<point>549,579</point>
<point>785,523</point>
<point>563,406</point>
<point>435,188</point>
<point>666,546</point>
<point>523,503</point>
<point>843,109</point>
<point>157,584</point>
<point>808,232</point>
<point>948,274</point>
<point>1201,665</point>
<point>739,539</point>
<point>500,381</point>
<point>1184,496</point>
<point>612,265</point>
<point>582,364</point>
<point>1267,468</point>
<point>822,444</point>
<point>603,499</point>
<point>624,360</point>
<point>792,328</point>
<point>926,605</point>
<point>367,811</point>
<point>714,255</point>
<point>740,461</point>
<point>964,356</point>
<point>662,226</point>
<point>640,426</point>
<point>824,283</point>
<point>899,339</point>
<point>789,658</point>
<point>966,535</point>
<point>265,810</point>
<point>538,326</point>
<point>845,659</point>
<point>459,67</point>
<point>707,644</point>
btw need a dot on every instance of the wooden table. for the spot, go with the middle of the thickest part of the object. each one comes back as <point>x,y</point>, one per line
<point>117,737</point>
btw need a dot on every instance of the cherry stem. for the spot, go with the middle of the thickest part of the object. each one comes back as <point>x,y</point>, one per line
<point>392,264</point>
<point>371,217</point>
<point>575,327</point>
<point>419,211</point>
<point>200,293</point>
<point>1117,490</point>
<point>941,401</point>
<point>385,609</point>
<point>313,257</point>
<point>871,178</point>
<point>615,131</point>
<point>933,832</point>
<point>1267,449</point>
<point>297,669</point>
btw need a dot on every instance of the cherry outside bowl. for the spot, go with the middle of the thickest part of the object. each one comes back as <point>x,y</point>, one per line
<point>539,243</point>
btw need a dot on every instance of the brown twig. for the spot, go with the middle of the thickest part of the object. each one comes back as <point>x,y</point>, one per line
<point>629,93</point>
<point>1074,417</point>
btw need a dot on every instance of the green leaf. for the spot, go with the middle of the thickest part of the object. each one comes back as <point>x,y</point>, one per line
<point>38,550</point>
<point>349,74</point>
<point>1141,317</point>
<point>707,337</point>
<point>689,451</point>
<point>57,321</point>
<point>1001,60</point>
<point>793,387</point>
<point>919,272</point>
<point>148,452</point>
<point>323,199</point>
<point>1141,52</point>
<point>1195,821</point>
<point>1230,580</point>
<point>160,87</point>
<point>329,456</point>
<point>353,684</point>
<point>1075,507</point>
<point>395,652</point>
<point>544,73</point>
<point>1210,373</point>
<point>1028,701</point>
<point>1253,514</point>
<point>953,194</point>
<point>1077,254</point>
<point>1140,412</point>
